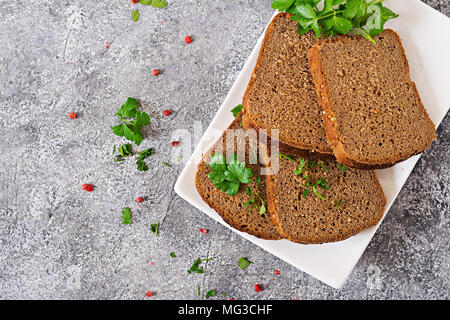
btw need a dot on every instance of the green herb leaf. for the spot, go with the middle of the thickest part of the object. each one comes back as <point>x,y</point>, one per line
<point>258,181</point>
<point>237,172</point>
<point>305,193</point>
<point>243,263</point>
<point>154,3</point>
<point>126,150</point>
<point>341,167</point>
<point>262,209</point>
<point>322,183</point>
<point>142,166</point>
<point>118,130</point>
<point>126,216</point>
<point>305,10</point>
<point>155,228</point>
<point>135,15</point>
<point>236,110</point>
<point>173,255</point>
<point>133,121</point>
<point>252,199</point>
<point>338,24</point>
<point>195,266</point>
<point>211,293</point>
<point>228,177</point>
<point>167,164</point>
<point>355,8</point>
<point>317,193</point>
<point>338,204</point>
<point>146,153</point>
<point>299,170</point>
<point>198,291</point>
<point>282,5</point>
<point>337,16</point>
<point>290,158</point>
<point>321,164</point>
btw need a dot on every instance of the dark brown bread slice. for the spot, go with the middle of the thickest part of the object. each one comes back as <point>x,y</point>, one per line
<point>231,208</point>
<point>373,114</point>
<point>354,201</point>
<point>281,93</point>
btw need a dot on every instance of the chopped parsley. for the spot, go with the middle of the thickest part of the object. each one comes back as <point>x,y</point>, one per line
<point>338,204</point>
<point>126,150</point>
<point>258,182</point>
<point>211,293</point>
<point>251,204</point>
<point>141,165</point>
<point>155,228</point>
<point>173,255</point>
<point>243,263</point>
<point>299,169</point>
<point>341,167</point>
<point>135,15</point>
<point>228,177</point>
<point>195,268</point>
<point>132,120</point>
<point>126,216</point>
<point>290,158</point>
<point>167,164</point>
<point>154,3</point>
<point>262,209</point>
<point>236,110</point>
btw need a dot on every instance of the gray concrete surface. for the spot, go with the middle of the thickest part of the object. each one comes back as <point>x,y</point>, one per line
<point>58,242</point>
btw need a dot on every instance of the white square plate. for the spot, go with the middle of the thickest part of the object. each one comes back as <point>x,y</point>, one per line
<point>425,33</point>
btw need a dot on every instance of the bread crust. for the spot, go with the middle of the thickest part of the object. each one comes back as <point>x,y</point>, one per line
<point>324,97</point>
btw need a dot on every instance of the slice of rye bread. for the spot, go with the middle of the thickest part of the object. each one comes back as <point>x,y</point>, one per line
<point>353,203</point>
<point>372,111</point>
<point>231,208</point>
<point>281,93</point>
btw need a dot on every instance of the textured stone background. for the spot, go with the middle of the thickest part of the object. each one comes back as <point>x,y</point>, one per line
<point>58,242</point>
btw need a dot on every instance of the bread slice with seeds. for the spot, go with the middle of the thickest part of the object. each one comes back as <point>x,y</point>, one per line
<point>373,114</point>
<point>281,93</point>
<point>232,209</point>
<point>313,201</point>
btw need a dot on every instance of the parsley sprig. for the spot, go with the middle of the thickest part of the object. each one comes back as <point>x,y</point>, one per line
<point>141,165</point>
<point>228,175</point>
<point>365,18</point>
<point>132,120</point>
